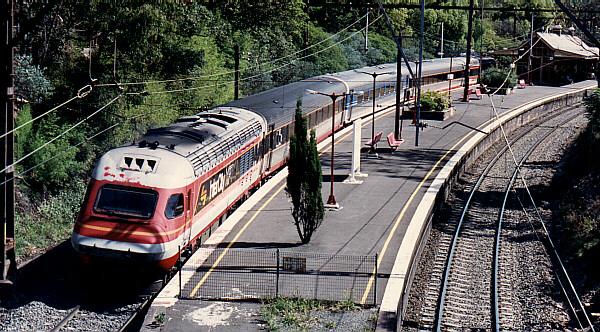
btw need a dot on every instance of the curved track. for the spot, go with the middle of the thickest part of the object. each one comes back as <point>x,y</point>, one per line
<point>466,287</point>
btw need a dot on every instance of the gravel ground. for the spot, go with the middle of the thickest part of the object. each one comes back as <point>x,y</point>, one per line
<point>528,291</point>
<point>38,316</point>
<point>50,287</point>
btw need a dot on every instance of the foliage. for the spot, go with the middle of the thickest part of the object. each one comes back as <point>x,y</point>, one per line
<point>30,82</point>
<point>499,77</point>
<point>298,313</point>
<point>304,179</point>
<point>46,219</point>
<point>434,101</point>
<point>56,164</point>
<point>579,195</point>
<point>592,107</point>
<point>381,50</point>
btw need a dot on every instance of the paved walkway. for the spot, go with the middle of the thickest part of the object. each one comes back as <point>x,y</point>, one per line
<point>375,213</point>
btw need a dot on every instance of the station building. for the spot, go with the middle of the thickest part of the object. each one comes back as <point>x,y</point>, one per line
<point>556,59</point>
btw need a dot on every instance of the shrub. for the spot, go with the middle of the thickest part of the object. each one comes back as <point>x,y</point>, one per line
<point>48,222</point>
<point>592,107</point>
<point>495,77</point>
<point>434,101</point>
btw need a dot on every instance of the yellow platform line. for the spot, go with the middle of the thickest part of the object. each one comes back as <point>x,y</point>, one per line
<point>262,207</point>
<point>401,215</point>
<point>209,272</point>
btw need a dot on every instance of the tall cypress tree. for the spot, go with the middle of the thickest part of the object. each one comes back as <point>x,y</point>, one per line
<point>304,179</point>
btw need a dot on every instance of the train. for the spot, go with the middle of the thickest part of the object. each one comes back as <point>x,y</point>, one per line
<point>148,202</point>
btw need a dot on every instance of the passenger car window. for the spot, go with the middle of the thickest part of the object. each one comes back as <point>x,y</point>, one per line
<point>174,206</point>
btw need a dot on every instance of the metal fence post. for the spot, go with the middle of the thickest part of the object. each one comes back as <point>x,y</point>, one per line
<point>277,278</point>
<point>179,268</point>
<point>375,288</point>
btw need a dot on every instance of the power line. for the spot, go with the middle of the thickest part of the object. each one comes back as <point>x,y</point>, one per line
<point>87,139</point>
<point>193,78</point>
<point>81,93</point>
<point>11,166</point>
<point>435,6</point>
<point>267,71</point>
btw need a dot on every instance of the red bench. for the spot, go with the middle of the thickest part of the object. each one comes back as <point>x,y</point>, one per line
<point>393,143</point>
<point>476,92</point>
<point>373,142</point>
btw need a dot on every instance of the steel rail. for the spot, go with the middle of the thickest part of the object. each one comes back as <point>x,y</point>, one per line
<point>452,250</point>
<point>142,308</point>
<point>502,208</point>
<point>65,320</point>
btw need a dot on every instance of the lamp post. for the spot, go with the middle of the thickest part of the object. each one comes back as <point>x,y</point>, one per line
<point>374,75</point>
<point>331,201</point>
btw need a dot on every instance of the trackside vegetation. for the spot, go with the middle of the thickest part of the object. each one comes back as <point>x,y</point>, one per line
<point>578,229</point>
<point>297,314</point>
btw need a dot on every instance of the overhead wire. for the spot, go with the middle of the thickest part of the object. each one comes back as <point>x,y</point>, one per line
<point>81,93</point>
<point>62,133</point>
<point>59,153</point>
<point>267,71</point>
<point>201,77</point>
<point>84,91</point>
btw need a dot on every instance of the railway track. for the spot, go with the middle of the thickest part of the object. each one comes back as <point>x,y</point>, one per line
<point>467,280</point>
<point>53,294</point>
<point>66,320</point>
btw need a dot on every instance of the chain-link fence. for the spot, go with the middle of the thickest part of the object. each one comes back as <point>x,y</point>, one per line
<point>258,274</point>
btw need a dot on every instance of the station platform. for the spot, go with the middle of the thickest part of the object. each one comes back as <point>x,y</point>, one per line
<point>374,217</point>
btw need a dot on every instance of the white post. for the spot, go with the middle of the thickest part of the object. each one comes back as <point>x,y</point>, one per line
<point>355,170</point>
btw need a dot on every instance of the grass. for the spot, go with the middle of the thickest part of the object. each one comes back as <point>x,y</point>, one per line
<point>47,222</point>
<point>296,313</point>
<point>160,318</point>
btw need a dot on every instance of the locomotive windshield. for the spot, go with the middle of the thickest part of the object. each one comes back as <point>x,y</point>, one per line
<point>126,201</point>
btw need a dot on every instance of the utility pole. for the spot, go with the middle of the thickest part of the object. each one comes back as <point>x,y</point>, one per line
<point>468,64</point>
<point>236,84</point>
<point>481,39</point>
<point>450,77</point>
<point>514,30</point>
<point>530,51</point>
<point>7,188</point>
<point>399,93</point>
<point>400,50</point>
<point>420,72</point>
<point>367,32</point>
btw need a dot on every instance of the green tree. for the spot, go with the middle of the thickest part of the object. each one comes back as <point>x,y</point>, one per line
<point>30,81</point>
<point>592,107</point>
<point>304,179</point>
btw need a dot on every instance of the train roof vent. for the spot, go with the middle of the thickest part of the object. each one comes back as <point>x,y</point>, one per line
<point>140,164</point>
<point>184,132</point>
<point>219,116</point>
<point>191,118</point>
